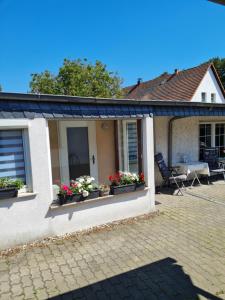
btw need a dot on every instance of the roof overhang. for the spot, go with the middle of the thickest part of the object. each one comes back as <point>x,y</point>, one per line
<point>15,105</point>
<point>218,1</point>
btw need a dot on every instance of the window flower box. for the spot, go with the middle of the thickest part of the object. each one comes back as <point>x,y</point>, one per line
<point>9,187</point>
<point>121,189</point>
<point>140,186</point>
<point>91,195</point>
<point>8,192</point>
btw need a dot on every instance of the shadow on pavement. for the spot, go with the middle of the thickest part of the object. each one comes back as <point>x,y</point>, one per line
<point>162,280</point>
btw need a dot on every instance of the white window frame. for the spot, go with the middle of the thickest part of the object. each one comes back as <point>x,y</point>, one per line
<point>203,100</point>
<point>124,123</point>
<point>63,150</point>
<point>20,124</point>
<point>213,130</point>
<point>213,97</point>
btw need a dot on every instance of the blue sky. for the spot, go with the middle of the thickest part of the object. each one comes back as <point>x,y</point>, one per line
<point>135,38</point>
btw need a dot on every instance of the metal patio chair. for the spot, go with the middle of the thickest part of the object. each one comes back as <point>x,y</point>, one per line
<point>170,175</point>
<point>210,155</point>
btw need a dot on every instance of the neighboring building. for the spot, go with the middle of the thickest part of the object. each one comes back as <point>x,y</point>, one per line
<point>199,84</point>
<point>186,136</point>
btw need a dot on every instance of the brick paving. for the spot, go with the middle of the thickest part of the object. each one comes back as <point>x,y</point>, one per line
<point>179,254</point>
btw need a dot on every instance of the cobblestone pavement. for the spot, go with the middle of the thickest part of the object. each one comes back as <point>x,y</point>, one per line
<point>179,254</point>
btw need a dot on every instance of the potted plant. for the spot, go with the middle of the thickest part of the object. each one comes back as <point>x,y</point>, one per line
<point>9,187</point>
<point>140,183</point>
<point>65,194</point>
<point>122,182</point>
<point>76,188</point>
<point>89,189</point>
<point>104,190</point>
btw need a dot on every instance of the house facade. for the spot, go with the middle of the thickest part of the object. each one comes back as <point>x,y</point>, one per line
<point>185,136</point>
<point>48,140</point>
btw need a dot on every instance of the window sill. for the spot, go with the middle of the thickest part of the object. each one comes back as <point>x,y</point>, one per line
<point>21,196</point>
<point>57,206</point>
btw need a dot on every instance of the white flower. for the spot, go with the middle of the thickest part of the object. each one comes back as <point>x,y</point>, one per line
<point>81,180</point>
<point>85,193</point>
<point>88,180</point>
<point>90,186</point>
<point>92,179</point>
<point>79,185</point>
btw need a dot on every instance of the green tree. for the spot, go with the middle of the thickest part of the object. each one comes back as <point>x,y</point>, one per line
<point>0,88</point>
<point>78,78</point>
<point>219,64</point>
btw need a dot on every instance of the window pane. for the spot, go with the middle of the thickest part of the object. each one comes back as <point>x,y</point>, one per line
<point>78,152</point>
<point>12,154</point>
<point>208,129</point>
<point>202,130</point>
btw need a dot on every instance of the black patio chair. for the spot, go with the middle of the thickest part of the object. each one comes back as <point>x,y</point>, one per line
<point>210,155</point>
<point>170,175</point>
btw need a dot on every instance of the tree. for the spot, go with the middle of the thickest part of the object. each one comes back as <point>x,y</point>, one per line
<point>78,78</point>
<point>0,88</point>
<point>219,64</point>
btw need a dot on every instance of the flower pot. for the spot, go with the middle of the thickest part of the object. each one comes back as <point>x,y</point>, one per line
<point>121,189</point>
<point>92,195</point>
<point>104,193</point>
<point>140,186</point>
<point>8,192</point>
<point>76,198</point>
<point>62,199</point>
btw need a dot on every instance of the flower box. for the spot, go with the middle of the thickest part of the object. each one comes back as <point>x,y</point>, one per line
<point>62,199</point>
<point>140,186</point>
<point>8,192</point>
<point>92,194</point>
<point>121,189</point>
<point>75,198</point>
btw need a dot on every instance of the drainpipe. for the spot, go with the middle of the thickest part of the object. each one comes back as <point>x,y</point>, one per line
<point>170,139</point>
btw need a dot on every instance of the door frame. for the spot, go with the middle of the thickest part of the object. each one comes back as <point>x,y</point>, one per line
<point>63,149</point>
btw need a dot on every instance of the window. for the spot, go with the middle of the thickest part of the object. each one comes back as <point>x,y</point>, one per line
<point>212,135</point>
<point>128,146</point>
<point>204,96</point>
<point>205,137</point>
<point>213,98</point>
<point>12,162</point>
<point>220,139</point>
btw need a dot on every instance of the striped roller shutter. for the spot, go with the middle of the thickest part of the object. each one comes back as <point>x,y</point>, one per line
<point>132,142</point>
<point>11,154</point>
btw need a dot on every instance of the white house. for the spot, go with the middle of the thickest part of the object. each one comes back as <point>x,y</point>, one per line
<point>51,139</point>
<point>177,136</point>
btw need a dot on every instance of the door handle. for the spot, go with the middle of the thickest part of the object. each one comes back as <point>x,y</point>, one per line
<point>93,159</point>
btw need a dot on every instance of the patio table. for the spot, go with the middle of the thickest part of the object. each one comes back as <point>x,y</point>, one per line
<point>195,168</point>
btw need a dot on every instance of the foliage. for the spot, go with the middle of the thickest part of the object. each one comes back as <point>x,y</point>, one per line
<point>83,184</point>
<point>219,64</point>
<point>7,182</point>
<point>78,78</point>
<point>104,188</point>
<point>123,178</point>
<point>0,88</point>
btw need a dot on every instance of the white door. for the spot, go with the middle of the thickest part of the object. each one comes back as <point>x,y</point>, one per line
<point>78,150</point>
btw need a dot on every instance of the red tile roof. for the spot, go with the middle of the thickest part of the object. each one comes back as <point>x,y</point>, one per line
<point>178,86</point>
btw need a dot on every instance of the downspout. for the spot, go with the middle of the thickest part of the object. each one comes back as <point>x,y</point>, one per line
<point>170,138</point>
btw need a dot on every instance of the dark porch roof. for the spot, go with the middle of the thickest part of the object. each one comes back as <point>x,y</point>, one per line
<point>13,105</point>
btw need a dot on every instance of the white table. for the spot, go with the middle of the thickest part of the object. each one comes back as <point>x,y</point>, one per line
<point>196,167</point>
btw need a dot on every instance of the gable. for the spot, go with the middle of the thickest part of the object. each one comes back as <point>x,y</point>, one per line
<point>208,85</point>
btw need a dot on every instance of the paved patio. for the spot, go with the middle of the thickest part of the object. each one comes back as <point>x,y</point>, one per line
<point>179,254</point>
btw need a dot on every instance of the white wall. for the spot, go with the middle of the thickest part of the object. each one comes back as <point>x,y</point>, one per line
<point>209,85</point>
<point>27,219</point>
<point>185,139</point>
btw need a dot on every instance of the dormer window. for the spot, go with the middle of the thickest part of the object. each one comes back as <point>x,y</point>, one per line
<point>204,97</point>
<point>213,98</point>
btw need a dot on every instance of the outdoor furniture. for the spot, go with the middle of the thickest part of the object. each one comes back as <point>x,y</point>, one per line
<point>210,155</point>
<point>194,168</point>
<point>170,175</point>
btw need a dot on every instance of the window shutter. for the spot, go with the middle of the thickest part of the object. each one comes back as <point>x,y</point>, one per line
<point>12,154</point>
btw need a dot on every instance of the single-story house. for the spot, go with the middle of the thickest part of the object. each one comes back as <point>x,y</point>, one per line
<point>178,136</point>
<point>48,139</point>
